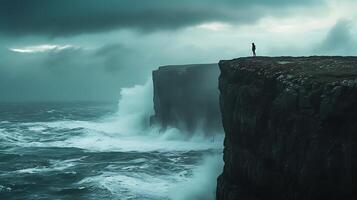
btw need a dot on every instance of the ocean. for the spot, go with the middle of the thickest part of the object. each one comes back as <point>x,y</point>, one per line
<point>96,150</point>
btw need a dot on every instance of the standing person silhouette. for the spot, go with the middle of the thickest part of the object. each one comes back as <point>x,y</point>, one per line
<point>253,49</point>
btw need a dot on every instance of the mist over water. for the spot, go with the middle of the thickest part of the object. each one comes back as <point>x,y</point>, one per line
<point>93,151</point>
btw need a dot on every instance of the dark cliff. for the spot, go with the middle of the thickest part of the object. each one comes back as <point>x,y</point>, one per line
<point>290,128</point>
<point>186,97</point>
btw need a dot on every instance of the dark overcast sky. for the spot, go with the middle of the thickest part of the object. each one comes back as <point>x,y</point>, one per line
<point>69,17</point>
<point>87,49</point>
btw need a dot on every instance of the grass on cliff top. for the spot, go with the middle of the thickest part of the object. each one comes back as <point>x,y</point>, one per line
<point>318,68</point>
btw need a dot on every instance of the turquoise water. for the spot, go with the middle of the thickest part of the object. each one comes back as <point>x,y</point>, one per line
<point>93,151</point>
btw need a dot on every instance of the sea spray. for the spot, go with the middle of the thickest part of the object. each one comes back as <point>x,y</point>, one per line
<point>136,107</point>
<point>202,184</point>
<point>122,157</point>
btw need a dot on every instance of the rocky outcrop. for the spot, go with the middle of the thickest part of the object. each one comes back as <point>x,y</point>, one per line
<point>186,97</point>
<point>290,128</point>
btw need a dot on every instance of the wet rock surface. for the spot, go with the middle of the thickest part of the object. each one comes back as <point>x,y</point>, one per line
<point>290,128</point>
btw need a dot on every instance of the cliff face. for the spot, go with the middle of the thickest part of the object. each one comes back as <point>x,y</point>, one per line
<point>290,128</point>
<point>186,97</point>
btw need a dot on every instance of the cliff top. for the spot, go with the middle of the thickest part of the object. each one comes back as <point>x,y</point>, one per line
<point>184,67</point>
<point>323,69</point>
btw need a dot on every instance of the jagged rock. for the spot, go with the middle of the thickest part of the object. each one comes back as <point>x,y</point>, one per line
<point>290,129</point>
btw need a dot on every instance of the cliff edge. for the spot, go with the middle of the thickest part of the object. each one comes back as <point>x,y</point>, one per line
<point>186,97</point>
<point>290,128</point>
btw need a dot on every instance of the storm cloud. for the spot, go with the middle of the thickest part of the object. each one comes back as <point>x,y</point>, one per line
<point>70,74</point>
<point>68,17</point>
<point>339,40</point>
<point>88,50</point>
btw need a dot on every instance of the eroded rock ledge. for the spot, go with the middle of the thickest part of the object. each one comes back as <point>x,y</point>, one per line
<point>291,128</point>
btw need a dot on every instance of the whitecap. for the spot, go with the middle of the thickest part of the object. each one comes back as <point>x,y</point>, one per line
<point>5,189</point>
<point>129,186</point>
<point>56,165</point>
<point>37,128</point>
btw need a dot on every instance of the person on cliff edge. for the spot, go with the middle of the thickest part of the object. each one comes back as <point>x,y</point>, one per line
<point>253,49</point>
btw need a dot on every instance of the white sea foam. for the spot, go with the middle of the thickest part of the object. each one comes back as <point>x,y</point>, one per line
<point>37,128</point>
<point>202,184</point>
<point>127,130</point>
<point>4,189</point>
<point>12,137</point>
<point>132,118</point>
<point>93,136</point>
<point>102,142</point>
<point>198,185</point>
<point>129,186</point>
<point>56,165</point>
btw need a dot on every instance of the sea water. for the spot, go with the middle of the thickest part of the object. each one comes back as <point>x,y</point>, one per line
<point>81,150</point>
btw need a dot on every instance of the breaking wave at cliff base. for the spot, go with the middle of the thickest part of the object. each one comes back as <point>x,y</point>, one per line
<point>104,154</point>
